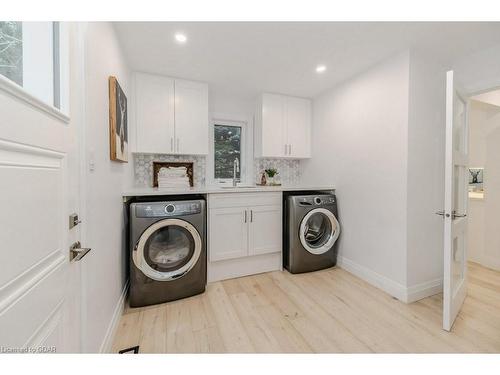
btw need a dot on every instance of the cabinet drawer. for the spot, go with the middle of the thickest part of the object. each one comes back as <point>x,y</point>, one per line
<point>244,199</point>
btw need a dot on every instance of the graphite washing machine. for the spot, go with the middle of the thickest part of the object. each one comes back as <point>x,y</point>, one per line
<point>311,230</point>
<point>168,251</point>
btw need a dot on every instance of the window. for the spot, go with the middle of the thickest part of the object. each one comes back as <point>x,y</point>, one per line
<point>227,151</point>
<point>29,57</point>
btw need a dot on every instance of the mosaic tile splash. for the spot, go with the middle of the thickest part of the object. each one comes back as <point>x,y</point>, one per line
<point>143,167</point>
<point>289,170</point>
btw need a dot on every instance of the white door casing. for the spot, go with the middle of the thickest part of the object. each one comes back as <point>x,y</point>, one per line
<point>39,170</point>
<point>455,207</point>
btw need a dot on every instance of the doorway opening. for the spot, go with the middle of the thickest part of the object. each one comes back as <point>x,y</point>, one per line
<point>484,198</point>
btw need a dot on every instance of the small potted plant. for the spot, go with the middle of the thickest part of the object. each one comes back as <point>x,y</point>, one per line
<point>271,173</point>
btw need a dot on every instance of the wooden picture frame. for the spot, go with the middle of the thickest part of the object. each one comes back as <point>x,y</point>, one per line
<point>157,165</point>
<point>118,118</point>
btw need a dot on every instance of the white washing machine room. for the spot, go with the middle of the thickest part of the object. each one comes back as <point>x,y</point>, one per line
<point>168,242</point>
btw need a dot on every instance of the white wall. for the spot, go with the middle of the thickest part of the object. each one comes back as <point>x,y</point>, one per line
<point>379,139</point>
<point>426,140</point>
<point>104,220</point>
<point>359,146</point>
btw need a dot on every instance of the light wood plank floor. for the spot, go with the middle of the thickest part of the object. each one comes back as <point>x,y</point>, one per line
<point>329,311</point>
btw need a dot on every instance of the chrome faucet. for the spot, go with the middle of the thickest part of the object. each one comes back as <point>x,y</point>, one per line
<point>236,169</point>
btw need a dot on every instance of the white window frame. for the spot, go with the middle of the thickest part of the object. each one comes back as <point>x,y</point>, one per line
<point>61,91</point>
<point>246,164</point>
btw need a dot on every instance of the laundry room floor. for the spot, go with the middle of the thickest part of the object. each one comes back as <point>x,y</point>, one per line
<point>327,311</point>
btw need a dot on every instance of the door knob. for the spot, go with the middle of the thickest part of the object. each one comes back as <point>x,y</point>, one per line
<point>76,252</point>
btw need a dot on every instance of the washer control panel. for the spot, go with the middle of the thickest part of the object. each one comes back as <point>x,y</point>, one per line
<point>318,200</point>
<point>167,209</point>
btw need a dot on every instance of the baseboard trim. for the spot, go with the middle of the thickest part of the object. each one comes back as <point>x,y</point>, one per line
<point>387,285</point>
<point>107,342</point>
<point>423,290</point>
<point>402,293</point>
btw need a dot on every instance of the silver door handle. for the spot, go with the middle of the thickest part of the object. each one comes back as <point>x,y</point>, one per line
<point>245,216</point>
<point>251,216</point>
<point>454,215</point>
<point>76,252</point>
<point>442,214</point>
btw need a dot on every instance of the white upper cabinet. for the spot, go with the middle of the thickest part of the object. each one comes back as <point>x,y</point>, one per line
<point>283,127</point>
<point>298,119</point>
<point>154,107</point>
<point>191,117</point>
<point>171,115</point>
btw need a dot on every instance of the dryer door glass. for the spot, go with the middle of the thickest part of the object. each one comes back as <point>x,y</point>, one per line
<point>319,230</point>
<point>169,248</point>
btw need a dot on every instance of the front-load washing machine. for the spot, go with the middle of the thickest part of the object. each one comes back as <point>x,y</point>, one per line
<point>168,251</point>
<point>311,230</point>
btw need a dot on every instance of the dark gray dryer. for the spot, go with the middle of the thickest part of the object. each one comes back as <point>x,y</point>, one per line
<point>311,230</point>
<point>168,251</point>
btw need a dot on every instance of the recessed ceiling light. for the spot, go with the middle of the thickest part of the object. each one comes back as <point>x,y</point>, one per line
<point>320,68</point>
<point>180,38</point>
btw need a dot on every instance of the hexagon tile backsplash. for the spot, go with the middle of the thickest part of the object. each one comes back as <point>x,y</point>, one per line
<point>289,170</point>
<point>143,167</point>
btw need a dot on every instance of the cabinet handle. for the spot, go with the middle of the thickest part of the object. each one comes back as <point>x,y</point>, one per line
<point>251,216</point>
<point>245,216</point>
<point>172,144</point>
<point>289,149</point>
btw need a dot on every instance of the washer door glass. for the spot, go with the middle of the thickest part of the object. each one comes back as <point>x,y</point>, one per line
<point>319,230</point>
<point>168,249</point>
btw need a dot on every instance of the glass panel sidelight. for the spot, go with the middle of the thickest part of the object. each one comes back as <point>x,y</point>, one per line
<point>11,51</point>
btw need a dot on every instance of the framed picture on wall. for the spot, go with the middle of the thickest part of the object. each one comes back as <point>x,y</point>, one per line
<point>118,129</point>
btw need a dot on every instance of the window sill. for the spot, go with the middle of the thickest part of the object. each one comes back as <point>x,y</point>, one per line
<point>18,92</point>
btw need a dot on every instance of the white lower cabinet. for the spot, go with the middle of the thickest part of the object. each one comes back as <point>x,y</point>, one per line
<point>244,234</point>
<point>264,230</point>
<point>228,233</point>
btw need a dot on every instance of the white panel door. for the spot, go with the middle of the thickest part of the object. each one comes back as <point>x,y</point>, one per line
<point>39,174</point>
<point>298,127</point>
<point>273,125</point>
<point>154,117</point>
<point>228,233</point>
<point>264,230</point>
<point>191,118</point>
<point>455,209</point>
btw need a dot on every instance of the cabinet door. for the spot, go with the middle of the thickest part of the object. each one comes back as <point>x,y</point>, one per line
<point>191,117</point>
<point>228,233</point>
<point>154,103</point>
<point>264,230</point>
<point>298,119</point>
<point>273,125</point>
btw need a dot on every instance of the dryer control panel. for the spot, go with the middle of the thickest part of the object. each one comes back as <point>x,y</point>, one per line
<point>168,209</point>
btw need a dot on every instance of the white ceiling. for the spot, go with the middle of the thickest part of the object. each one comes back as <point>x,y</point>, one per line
<point>248,58</point>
